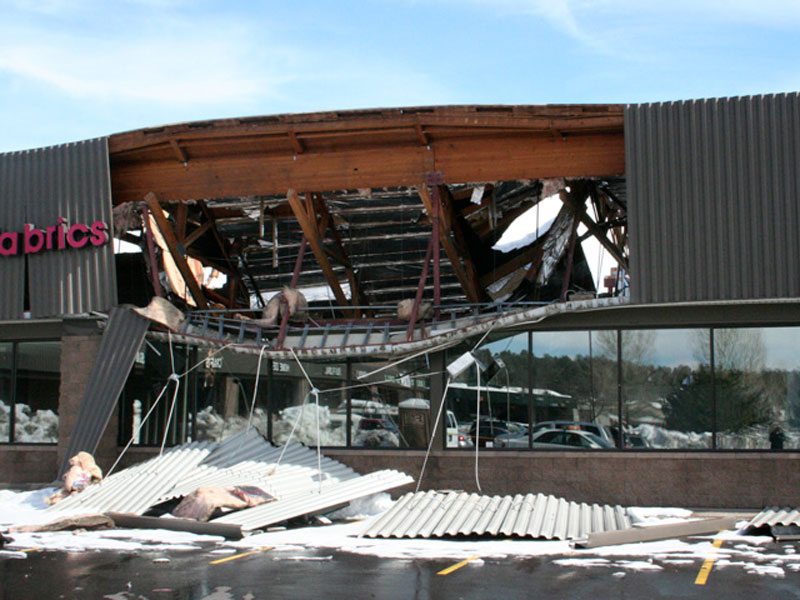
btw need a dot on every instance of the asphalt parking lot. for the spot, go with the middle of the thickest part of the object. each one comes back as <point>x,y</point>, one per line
<point>251,575</point>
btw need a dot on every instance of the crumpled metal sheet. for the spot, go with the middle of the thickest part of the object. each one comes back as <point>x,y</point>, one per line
<point>244,458</point>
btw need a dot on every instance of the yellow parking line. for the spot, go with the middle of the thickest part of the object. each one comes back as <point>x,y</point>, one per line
<point>219,561</point>
<point>457,566</point>
<point>31,550</point>
<point>708,564</point>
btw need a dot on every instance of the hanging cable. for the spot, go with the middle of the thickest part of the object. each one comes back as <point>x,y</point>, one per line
<point>172,377</point>
<point>255,388</point>
<point>315,393</point>
<point>477,427</point>
<point>433,436</point>
<point>177,381</point>
<point>139,427</point>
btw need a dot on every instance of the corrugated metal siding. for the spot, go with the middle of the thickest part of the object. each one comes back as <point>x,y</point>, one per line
<point>314,500</point>
<point>434,514</point>
<point>121,341</point>
<point>775,515</point>
<point>12,218</point>
<point>137,488</point>
<point>38,186</point>
<point>245,458</point>
<point>713,190</point>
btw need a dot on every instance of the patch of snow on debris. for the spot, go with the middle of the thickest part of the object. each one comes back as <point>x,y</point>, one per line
<point>644,516</point>
<point>362,508</point>
<point>17,508</point>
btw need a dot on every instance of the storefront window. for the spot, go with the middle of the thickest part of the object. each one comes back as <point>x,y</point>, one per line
<point>30,375</point>
<point>6,399</point>
<point>757,378</point>
<point>390,406</point>
<point>667,388</point>
<point>575,389</point>
<point>144,415</point>
<point>296,408</point>
<point>500,399</point>
<point>226,388</point>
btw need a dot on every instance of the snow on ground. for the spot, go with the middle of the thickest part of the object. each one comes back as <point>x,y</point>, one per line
<point>754,554</point>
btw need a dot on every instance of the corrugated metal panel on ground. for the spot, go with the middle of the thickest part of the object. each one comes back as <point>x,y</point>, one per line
<point>244,458</point>
<point>137,488</point>
<point>436,514</point>
<point>775,515</point>
<point>13,180</point>
<point>713,190</point>
<point>37,187</point>
<point>315,500</point>
<point>121,341</point>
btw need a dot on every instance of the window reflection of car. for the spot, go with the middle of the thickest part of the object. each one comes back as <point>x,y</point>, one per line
<point>487,431</point>
<point>455,439</point>
<point>557,438</point>
<point>599,430</point>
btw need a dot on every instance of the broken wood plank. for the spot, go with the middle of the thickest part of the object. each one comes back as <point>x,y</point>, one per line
<point>131,521</point>
<point>172,245</point>
<point>656,532</point>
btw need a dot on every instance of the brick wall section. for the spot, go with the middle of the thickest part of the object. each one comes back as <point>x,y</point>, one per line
<point>28,464</point>
<point>78,354</point>
<point>695,480</point>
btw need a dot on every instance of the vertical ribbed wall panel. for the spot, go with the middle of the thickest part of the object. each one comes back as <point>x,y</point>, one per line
<point>37,187</point>
<point>12,216</point>
<point>712,198</point>
<point>121,341</point>
<point>71,181</point>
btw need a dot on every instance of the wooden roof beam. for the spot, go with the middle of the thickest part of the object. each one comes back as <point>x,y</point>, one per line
<point>172,245</point>
<point>308,224</point>
<point>453,256</point>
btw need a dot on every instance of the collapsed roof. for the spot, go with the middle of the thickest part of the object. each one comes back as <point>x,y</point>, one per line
<point>364,209</point>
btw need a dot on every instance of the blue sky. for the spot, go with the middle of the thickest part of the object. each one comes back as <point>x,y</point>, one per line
<point>74,69</point>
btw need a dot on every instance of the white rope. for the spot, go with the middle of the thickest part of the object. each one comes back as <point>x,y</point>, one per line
<point>139,428</point>
<point>177,381</point>
<point>315,392</point>
<point>435,428</point>
<point>255,389</point>
<point>477,427</point>
<point>291,434</point>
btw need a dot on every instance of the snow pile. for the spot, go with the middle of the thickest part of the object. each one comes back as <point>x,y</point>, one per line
<point>331,430</point>
<point>214,427</point>
<point>658,437</point>
<point>24,507</point>
<point>644,516</point>
<point>40,426</point>
<point>362,508</point>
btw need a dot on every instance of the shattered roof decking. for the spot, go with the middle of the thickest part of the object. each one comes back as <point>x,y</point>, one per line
<point>436,514</point>
<point>242,459</point>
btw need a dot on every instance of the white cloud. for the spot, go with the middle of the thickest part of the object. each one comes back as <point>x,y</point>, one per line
<point>152,52</point>
<point>192,63</point>
<point>599,23</point>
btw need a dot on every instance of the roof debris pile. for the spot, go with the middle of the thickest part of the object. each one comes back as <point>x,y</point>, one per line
<point>437,514</point>
<point>300,481</point>
<point>782,523</point>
